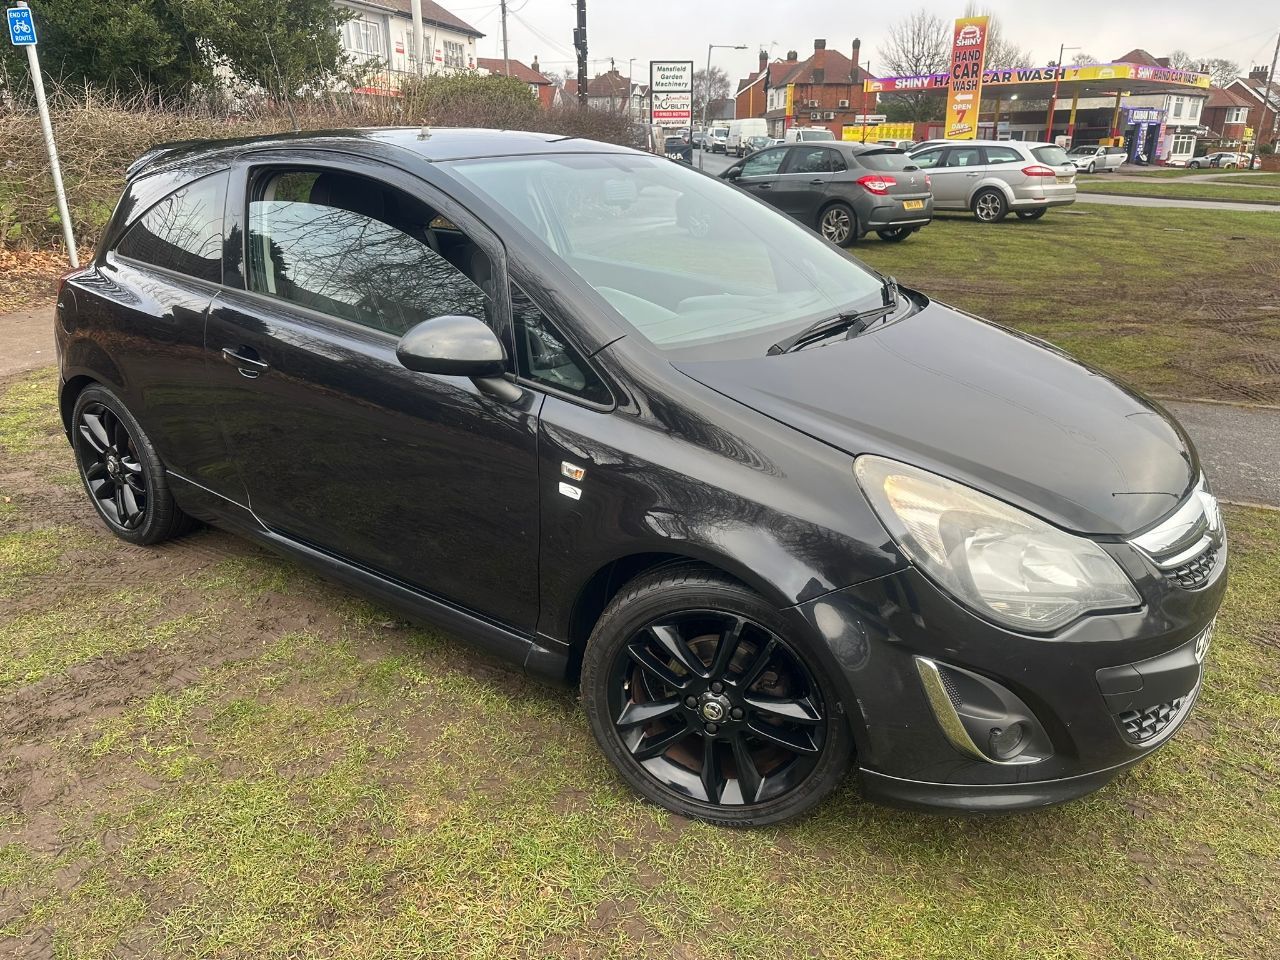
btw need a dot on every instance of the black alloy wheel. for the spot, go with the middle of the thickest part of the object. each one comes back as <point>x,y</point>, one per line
<point>708,710</point>
<point>112,471</point>
<point>121,472</point>
<point>839,224</point>
<point>895,234</point>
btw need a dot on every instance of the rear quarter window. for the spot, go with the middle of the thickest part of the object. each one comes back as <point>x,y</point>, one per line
<point>881,160</point>
<point>182,232</point>
<point>1052,155</point>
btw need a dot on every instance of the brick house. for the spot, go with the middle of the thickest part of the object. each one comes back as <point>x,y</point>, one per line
<point>1263,97</point>
<point>749,101</point>
<point>1226,115</point>
<point>826,91</point>
<point>542,86</point>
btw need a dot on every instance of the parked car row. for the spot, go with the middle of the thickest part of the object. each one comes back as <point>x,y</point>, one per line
<point>1226,160</point>
<point>845,190</point>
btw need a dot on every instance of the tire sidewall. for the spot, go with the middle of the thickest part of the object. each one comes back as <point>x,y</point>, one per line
<point>158,522</point>
<point>853,222</point>
<point>619,623</point>
<point>1004,205</point>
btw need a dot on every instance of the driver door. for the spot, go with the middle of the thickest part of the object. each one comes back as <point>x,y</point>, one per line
<point>418,477</point>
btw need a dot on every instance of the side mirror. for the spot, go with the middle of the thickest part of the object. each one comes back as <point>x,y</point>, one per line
<point>454,346</point>
<point>733,173</point>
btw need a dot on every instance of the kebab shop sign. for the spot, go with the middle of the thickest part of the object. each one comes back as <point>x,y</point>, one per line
<point>964,90</point>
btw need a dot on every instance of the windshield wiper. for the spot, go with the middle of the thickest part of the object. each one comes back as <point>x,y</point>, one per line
<point>851,324</point>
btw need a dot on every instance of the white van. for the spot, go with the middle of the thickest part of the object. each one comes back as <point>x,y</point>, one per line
<point>807,134</point>
<point>741,131</point>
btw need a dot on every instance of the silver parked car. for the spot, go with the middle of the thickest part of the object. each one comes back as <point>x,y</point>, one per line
<point>1095,158</point>
<point>993,177</point>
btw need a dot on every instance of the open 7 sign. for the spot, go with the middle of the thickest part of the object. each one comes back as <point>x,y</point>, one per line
<point>22,29</point>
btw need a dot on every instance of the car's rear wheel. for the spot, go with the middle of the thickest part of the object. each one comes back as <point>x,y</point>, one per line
<point>704,705</point>
<point>121,472</point>
<point>1032,214</point>
<point>895,234</point>
<point>839,224</point>
<point>990,206</point>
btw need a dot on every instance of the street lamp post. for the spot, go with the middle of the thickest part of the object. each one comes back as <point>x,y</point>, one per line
<point>1053,100</point>
<point>706,100</point>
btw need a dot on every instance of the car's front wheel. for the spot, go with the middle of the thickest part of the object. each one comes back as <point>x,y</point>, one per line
<point>839,224</point>
<point>706,707</point>
<point>1089,168</point>
<point>990,206</point>
<point>121,472</point>
<point>1194,164</point>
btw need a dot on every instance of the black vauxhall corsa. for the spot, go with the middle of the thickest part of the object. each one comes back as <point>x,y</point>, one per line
<point>776,515</point>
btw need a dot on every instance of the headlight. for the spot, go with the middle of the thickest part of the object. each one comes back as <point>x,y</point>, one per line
<point>1002,562</point>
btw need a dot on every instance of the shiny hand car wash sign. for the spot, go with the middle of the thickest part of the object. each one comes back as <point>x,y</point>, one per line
<point>964,92</point>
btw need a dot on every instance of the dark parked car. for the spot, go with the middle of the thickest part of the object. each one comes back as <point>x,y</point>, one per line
<point>775,515</point>
<point>843,190</point>
<point>756,144</point>
<point>678,148</point>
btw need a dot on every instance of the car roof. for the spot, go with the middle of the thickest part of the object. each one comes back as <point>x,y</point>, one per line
<point>433,144</point>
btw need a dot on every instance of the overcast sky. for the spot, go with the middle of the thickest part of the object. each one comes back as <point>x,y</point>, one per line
<point>1240,30</point>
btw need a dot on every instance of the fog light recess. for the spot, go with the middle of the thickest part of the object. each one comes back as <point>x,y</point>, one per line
<point>981,718</point>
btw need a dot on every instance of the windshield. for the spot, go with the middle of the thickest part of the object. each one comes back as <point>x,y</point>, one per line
<point>817,135</point>
<point>885,160</point>
<point>719,131</point>
<point>687,260</point>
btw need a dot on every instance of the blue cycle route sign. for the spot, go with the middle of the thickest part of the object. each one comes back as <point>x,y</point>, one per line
<point>22,29</point>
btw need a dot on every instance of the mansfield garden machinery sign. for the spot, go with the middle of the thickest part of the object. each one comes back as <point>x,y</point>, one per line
<point>671,90</point>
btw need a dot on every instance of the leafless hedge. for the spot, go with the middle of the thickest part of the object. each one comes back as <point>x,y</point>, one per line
<point>99,136</point>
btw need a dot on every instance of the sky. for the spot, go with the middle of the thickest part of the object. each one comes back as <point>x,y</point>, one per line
<point>1240,30</point>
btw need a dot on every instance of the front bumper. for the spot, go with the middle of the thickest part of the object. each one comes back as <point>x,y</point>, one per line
<point>1073,684</point>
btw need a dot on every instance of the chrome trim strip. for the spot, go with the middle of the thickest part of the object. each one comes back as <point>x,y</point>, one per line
<point>1191,530</point>
<point>945,712</point>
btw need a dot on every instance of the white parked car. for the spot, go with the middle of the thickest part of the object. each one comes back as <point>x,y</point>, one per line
<point>807,134</point>
<point>1226,160</point>
<point>1095,158</point>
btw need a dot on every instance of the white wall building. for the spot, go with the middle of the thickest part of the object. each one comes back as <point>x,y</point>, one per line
<point>383,32</point>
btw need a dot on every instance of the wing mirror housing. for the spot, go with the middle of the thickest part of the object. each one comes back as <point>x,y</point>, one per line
<point>733,173</point>
<point>457,346</point>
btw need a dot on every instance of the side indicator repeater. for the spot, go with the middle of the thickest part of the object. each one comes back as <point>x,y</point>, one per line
<point>572,470</point>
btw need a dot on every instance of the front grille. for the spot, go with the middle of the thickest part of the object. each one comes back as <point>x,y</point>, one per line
<point>1196,571</point>
<point>1146,724</point>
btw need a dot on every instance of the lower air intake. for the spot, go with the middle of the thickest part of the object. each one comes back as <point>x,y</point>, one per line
<point>1143,725</point>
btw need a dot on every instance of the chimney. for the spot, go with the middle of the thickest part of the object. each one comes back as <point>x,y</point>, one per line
<point>792,56</point>
<point>1259,73</point>
<point>1163,61</point>
<point>536,68</point>
<point>764,60</point>
<point>819,61</point>
<point>855,70</point>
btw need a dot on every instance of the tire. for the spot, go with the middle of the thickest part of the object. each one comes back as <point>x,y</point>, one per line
<point>895,235</point>
<point>121,472</point>
<point>686,614</point>
<point>1032,214</point>
<point>838,223</point>
<point>990,206</point>
<point>1194,165</point>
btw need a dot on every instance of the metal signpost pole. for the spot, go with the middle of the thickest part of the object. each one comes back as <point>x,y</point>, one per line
<point>22,33</point>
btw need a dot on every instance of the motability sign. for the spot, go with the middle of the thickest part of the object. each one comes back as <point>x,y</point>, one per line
<point>964,92</point>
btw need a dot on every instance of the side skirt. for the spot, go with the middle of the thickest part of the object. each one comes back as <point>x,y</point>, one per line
<point>543,657</point>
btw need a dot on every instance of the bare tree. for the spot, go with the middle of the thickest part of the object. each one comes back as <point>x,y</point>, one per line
<point>1080,59</point>
<point>719,88</point>
<point>1001,51</point>
<point>1222,71</point>
<point>918,44</point>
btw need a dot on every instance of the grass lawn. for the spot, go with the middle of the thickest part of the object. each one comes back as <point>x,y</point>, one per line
<point>1185,191</point>
<point>1168,173</point>
<point>1178,302</point>
<point>1265,179</point>
<point>209,752</point>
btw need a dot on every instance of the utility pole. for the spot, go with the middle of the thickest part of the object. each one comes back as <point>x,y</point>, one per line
<point>580,45</point>
<point>415,11</point>
<point>506,57</point>
<point>1266,101</point>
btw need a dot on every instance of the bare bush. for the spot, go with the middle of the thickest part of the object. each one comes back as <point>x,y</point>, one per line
<point>100,135</point>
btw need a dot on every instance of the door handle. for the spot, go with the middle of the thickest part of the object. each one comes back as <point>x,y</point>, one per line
<point>974,174</point>
<point>765,186</point>
<point>817,180</point>
<point>249,366</point>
